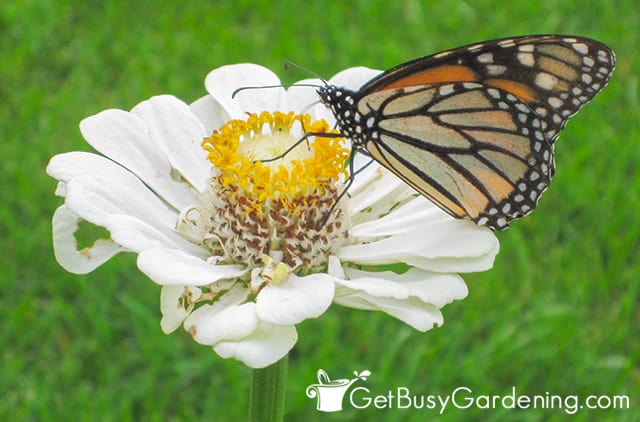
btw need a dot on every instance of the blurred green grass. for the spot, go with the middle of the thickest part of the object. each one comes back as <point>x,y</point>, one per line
<point>558,313</point>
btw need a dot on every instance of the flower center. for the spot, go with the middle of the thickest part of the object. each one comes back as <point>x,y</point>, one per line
<point>238,147</point>
<point>274,208</point>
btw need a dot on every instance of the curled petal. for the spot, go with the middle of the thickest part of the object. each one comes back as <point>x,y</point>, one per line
<point>65,245</point>
<point>420,315</point>
<point>172,306</point>
<point>435,288</point>
<point>414,297</point>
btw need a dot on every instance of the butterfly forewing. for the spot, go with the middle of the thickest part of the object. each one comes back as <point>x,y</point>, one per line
<point>555,75</point>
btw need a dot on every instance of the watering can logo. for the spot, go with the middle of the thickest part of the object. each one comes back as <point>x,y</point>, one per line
<point>330,392</point>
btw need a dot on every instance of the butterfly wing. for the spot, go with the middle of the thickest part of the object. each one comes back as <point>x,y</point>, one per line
<point>478,152</point>
<point>473,128</point>
<point>554,75</point>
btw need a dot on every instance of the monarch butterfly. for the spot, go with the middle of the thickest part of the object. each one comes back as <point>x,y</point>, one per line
<point>473,129</point>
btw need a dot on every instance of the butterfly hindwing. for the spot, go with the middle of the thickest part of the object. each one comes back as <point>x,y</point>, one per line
<point>459,145</point>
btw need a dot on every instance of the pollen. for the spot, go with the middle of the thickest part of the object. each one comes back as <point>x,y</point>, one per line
<point>273,193</point>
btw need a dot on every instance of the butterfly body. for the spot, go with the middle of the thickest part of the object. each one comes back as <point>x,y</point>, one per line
<point>473,129</point>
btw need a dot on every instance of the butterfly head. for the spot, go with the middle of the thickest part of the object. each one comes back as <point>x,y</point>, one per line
<point>337,99</point>
<point>342,103</point>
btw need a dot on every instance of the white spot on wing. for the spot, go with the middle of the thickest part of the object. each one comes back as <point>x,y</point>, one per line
<point>496,69</point>
<point>485,58</point>
<point>526,59</point>
<point>541,111</point>
<point>555,102</point>
<point>546,81</point>
<point>446,90</point>
<point>507,43</point>
<point>581,48</point>
<point>443,54</point>
<point>493,92</point>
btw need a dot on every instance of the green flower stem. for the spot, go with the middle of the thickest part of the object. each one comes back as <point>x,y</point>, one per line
<point>268,389</point>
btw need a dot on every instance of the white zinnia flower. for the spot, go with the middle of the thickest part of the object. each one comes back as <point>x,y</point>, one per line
<point>240,246</point>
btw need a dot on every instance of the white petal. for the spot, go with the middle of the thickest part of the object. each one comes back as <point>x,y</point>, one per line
<point>354,77</point>
<point>295,299</point>
<point>439,290</point>
<point>65,246</point>
<point>335,269</point>
<point>267,345</point>
<point>413,297</point>
<point>211,324</point>
<point>171,307</point>
<point>302,96</point>
<point>435,288</point>
<point>367,175</point>
<point>178,133</point>
<point>418,212</point>
<point>412,311</point>
<point>167,267</point>
<point>374,285</point>
<point>136,235</point>
<point>223,81</point>
<point>94,198</point>
<point>61,189</point>
<point>450,246</point>
<point>374,191</point>
<point>124,138</point>
<point>234,330</point>
<point>210,113</point>
<point>65,166</point>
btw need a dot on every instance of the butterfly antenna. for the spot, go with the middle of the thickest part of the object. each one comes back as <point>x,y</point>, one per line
<point>308,107</point>
<point>304,69</point>
<point>246,88</point>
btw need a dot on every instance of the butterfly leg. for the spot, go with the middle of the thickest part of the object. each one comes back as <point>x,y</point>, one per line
<point>345,191</point>
<point>299,141</point>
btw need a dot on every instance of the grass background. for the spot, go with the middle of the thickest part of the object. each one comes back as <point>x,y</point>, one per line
<point>558,313</point>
